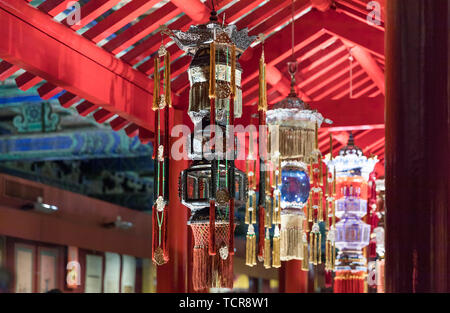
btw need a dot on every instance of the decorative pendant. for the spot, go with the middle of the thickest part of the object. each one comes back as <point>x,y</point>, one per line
<point>159,257</point>
<point>223,252</point>
<point>162,102</point>
<point>162,51</point>
<point>222,197</point>
<point>161,153</point>
<point>160,204</point>
<point>223,90</point>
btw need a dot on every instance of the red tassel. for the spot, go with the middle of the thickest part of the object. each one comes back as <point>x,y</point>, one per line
<point>225,270</point>
<point>212,228</point>
<point>231,233</point>
<point>261,232</point>
<point>349,282</point>
<point>212,113</point>
<point>328,279</point>
<point>373,249</point>
<point>200,268</point>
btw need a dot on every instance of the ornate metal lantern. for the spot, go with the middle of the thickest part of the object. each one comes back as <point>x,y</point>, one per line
<point>212,187</point>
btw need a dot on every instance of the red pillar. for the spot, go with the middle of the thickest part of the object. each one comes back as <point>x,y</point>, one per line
<point>417,146</point>
<point>292,278</point>
<point>173,276</point>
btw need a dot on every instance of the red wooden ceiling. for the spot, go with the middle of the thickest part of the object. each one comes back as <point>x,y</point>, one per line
<point>325,31</point>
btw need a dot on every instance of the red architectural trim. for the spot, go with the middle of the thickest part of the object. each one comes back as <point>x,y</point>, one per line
<point>77,65</point>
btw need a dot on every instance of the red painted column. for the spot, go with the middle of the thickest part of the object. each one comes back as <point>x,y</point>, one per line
<point>417,146</point>
<point>292,278</point>
<point>173,276</point>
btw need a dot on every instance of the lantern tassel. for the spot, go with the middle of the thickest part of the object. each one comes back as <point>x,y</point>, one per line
<point>156,85</point>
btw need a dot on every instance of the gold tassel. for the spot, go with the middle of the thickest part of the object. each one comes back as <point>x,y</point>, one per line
<point>276,263</point>
<point>212,70</point>
<point>156,85</point>
<point>320,213</point>
<point>267,251</point>
<point>305,262</point>
<point>311,248</point>
<point>310,210</point>
<point>268,217</point>
<point>247,211</point>
<point>167,73</point>
<point>327,255</point>
<point>330,251</point>
<point>319,247</point>
<point>277,212</point>
<point>262,104</point>
<point>250,253</point>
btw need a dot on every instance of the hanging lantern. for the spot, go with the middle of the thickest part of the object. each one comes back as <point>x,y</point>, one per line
<point>212,187</point>
<point>297,175</point>
<point>352,170</point>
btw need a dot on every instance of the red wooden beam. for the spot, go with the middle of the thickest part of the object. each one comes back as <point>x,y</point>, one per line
<point>7,69</point>
<point>195,9</point>
<point>48,90</point>
<point>262,13</point>
<point>151,44</point>
<point>346,114</point>
<point>239,9</point>
<point>86,107</point>
<point>27,80</point>
<point>90,11</point>
<point>118,123</point>
<point>370,66</point>
<point>360,34</point>
<point>68,99</point>
<point>321,5</point>
<point>357,82</point>
<point>53,7</point>
<point>331,77</point>
<point>352,112</point>
<point>118,19</point>
<point>142,28</point>
<point>358,12</point>
<point>77,65</point>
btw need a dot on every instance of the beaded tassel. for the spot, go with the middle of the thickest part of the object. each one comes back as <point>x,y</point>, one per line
<point>250,251</point>
<point>267,257</point>
<point>305,262</point>
<point>315,243</point>
<point>276,262</point>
